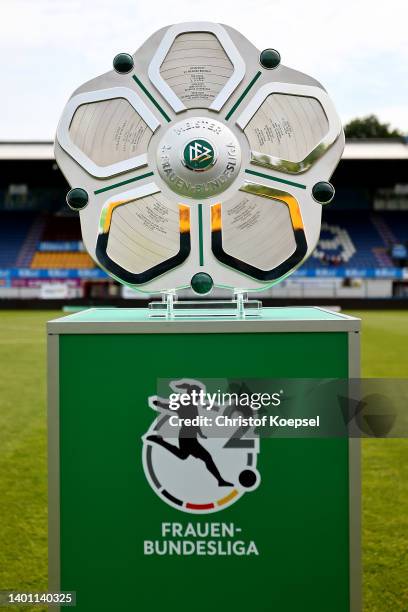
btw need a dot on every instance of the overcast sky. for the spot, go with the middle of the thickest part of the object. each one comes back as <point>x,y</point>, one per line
<point>357,49</point>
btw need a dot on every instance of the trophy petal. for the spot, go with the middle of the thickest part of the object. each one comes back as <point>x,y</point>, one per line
<point>142,235</point>
<point>196,66</point>
<point>259,232</point>
<point>289,127</point>
<point>107,131</point>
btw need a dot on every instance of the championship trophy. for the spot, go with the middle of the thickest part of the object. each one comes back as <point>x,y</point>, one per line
<point>199,162</point>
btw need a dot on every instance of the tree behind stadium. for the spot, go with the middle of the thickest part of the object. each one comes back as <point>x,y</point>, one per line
<point>370,127</point>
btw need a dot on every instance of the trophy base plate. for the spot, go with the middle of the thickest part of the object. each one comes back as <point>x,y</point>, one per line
<point>239,307</point>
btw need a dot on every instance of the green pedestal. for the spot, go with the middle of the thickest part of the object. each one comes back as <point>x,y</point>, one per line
<point>303,518</point>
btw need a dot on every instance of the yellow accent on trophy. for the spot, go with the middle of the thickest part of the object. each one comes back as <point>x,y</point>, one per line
<point>216,222</point>
<point>281,196</point>
<point>106,214</point>
<point>184,218</point>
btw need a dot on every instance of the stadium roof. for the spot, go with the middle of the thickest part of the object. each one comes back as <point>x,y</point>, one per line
<point>365,149</point>
<point>371,148</point>
<point>10,151</point>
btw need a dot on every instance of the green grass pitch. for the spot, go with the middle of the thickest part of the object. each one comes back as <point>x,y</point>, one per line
<point>23,470</point>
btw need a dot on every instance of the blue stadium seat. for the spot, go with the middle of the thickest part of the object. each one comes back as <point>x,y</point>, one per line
<point>371,234</point>
<point>14,227</point>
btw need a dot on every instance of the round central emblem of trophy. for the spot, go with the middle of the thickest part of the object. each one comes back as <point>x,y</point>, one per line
<point>198,157</point>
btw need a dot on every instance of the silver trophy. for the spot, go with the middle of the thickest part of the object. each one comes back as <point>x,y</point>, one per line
<point>199,162</point>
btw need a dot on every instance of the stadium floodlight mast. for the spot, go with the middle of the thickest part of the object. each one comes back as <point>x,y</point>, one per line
<point>199,161</point>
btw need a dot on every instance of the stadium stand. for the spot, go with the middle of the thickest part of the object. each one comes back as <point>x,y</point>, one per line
<point>14,228</point>
<point>57,229</point>
<point>61,228</point>
<point>30,243</point>
<point>22,233</point>
<point>359,239</point>
<point>362,249</point>
<point>397,226</point>
<point>61,260</point>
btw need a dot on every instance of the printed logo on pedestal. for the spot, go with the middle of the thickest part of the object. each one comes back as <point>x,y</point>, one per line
<point>194,466</point>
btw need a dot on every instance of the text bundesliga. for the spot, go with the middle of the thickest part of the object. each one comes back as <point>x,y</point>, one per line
<point>240,421</point>
<point>211,539</point>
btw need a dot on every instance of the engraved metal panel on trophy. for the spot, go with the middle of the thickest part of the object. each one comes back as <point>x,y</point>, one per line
<point>285,130</point>
<point>109,131</point>
<point>257,230</point>
<point>196,68</point>
<point>141,237</point>
<point>143,233</point>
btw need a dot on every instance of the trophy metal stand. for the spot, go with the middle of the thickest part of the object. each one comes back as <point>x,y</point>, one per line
<point>239,307</point>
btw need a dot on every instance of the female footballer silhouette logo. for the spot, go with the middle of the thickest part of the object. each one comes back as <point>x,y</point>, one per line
<point>192,471</point>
